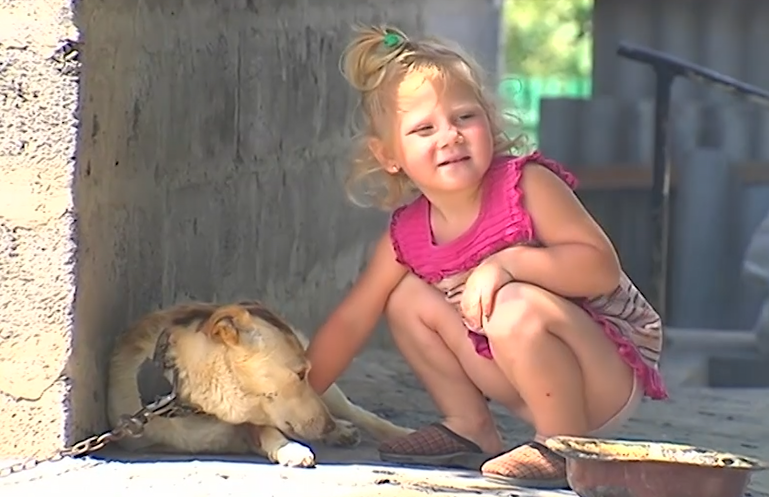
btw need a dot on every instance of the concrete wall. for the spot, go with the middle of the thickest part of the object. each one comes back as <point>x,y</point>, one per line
<point>37,266</point>
<point>208,165</point>
<point>476,26</point>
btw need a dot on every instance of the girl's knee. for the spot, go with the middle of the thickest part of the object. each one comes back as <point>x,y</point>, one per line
<point>409,303</point>
<point>415,307</point>
<point>518,313</point>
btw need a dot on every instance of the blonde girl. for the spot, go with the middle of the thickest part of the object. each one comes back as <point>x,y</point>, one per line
<point>494,279</point>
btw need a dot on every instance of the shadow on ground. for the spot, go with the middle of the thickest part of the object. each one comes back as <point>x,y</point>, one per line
<point>349,472</point>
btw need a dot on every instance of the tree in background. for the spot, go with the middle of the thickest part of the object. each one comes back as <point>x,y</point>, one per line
<point>548,38</point>
<point>548,53</point>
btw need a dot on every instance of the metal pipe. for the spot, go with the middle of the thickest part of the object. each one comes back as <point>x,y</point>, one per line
<point>660,192</point>
<point>675,66</point>
<point>666,69</point>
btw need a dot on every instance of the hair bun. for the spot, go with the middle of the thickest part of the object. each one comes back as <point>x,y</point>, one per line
<point>365,58</point>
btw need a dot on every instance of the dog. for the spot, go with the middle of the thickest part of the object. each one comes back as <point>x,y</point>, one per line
<point>238,370</point>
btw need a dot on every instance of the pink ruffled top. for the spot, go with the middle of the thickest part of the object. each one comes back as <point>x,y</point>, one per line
<point>625,315</point>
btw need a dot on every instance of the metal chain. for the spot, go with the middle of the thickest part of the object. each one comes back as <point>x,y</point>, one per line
<point>126,427</point>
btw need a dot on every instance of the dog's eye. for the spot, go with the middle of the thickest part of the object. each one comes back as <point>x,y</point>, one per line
<point>302,374</point>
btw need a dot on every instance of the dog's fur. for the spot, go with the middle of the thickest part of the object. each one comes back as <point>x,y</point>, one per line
<point>239,364</point>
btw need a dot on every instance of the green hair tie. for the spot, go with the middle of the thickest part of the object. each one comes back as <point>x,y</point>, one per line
<point>392,40</point>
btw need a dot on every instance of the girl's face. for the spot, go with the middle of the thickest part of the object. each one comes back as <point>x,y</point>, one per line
<point>442,139</point>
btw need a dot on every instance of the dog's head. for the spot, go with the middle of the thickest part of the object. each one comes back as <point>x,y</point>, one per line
<point>268,362</point>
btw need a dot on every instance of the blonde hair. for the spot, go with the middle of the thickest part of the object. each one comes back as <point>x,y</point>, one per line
<point>379,56</point>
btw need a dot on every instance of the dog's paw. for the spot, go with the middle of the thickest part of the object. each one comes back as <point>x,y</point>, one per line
<point>295,455</point>
<point>345,434</point>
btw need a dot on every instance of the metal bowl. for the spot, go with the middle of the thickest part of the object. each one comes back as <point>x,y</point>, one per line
<point>625,468</point>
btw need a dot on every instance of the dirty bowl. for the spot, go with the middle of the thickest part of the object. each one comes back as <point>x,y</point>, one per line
<point>624,468</point>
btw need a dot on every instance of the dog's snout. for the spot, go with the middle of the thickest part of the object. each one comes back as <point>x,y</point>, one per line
<point>311,428</point>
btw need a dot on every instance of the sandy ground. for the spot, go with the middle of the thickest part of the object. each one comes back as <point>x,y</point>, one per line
<point>729,419</point>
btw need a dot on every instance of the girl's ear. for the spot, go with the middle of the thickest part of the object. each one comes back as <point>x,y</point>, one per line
<point>379,151</point>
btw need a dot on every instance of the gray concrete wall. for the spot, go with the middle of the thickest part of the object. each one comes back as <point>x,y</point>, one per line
<point>476,26</point>
<point>212,146</point>
<point>208,165</point>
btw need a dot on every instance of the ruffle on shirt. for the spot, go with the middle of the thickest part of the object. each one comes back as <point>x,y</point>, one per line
<point>501,225</point>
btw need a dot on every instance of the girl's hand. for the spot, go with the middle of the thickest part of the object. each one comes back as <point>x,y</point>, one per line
<point>480,291</point>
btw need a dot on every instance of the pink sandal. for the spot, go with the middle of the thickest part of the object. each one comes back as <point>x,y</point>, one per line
<point>531,465</point>
<point>434,445</point>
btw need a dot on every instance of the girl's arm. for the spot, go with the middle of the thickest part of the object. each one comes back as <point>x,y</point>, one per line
<point>348,328</point>
<point>578,259</point>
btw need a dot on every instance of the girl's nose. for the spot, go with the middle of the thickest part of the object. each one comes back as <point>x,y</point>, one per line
<point>450,137</point>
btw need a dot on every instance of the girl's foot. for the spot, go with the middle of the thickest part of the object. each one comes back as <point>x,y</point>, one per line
<point>434,445</point>
<point>530,465</point>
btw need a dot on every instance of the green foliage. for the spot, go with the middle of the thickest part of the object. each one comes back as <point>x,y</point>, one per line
<point>522,96</point>
<point>548,54</point>
<point>548,37</point>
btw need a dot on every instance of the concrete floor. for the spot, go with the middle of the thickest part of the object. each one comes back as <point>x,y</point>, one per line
<point>731,420</point>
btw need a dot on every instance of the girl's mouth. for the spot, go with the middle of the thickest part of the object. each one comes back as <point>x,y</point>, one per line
<point>453,161</point>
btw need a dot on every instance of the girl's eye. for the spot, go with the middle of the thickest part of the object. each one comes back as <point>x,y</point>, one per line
<point>423,129</point>
<point>465,117</point>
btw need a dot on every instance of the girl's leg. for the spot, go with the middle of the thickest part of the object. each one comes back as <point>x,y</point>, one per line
<point>430,335</point>
<point>565,368</point>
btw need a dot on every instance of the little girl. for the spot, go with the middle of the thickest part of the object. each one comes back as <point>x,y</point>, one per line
<point>495,280</point>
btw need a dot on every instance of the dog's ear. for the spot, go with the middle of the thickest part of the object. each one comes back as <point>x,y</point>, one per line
<point>222,330</point>
<point>226,325</point>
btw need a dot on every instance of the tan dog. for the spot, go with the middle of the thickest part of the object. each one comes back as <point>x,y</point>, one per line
<point>238,364</point>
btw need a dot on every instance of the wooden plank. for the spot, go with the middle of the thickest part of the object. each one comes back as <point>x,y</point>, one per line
<point>614,177</point>
<point>754,173</point>
<point>639,177</point>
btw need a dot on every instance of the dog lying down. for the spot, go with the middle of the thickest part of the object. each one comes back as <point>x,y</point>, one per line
<point>233,364</point>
